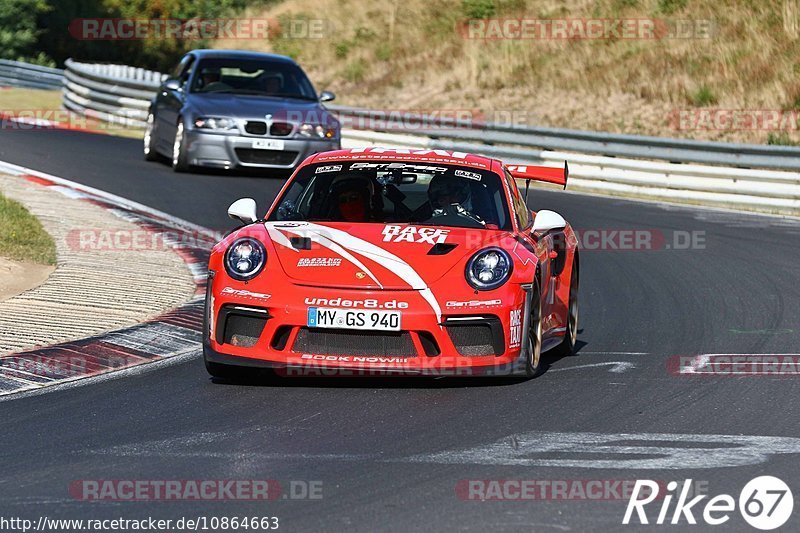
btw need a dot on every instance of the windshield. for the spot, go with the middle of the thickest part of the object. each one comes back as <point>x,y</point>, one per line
<point>253,77</point>
<point>395,192</point>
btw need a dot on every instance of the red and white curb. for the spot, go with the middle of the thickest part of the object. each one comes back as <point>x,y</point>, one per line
<point>174,334</point>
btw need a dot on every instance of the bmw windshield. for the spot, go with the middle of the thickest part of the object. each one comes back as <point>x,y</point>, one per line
<point>395,192</point>
<point>252,77</point>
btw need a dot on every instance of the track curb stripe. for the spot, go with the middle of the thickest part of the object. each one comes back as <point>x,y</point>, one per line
<point>173,333</point>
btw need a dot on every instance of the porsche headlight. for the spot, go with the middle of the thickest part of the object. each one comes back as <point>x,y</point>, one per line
<point>315,130</point>
<point>488,269</point>
<point>245,258</point>
<point>215,123</point>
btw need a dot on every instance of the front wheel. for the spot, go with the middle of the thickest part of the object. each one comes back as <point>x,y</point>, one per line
<point>149,139</point>
<point>180,159</point>
<point>533,356</point>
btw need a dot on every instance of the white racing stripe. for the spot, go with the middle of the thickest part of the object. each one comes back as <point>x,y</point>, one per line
<point>321,240</point>
<point>387,260</point>
<point>343,243</point>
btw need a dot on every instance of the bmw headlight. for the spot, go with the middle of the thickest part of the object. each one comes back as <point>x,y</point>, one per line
<point>245,258</point>
<point>215,123</point>
<point>488,269</point>
<point>315,130</point>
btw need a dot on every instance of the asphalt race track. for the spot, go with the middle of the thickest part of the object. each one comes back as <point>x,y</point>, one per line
<point>390,453</point>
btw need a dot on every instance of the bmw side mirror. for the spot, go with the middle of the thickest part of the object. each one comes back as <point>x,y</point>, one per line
<point>243,210</point>
<point>326,96</point>
<point>173,85</point>
<point>548,221</point>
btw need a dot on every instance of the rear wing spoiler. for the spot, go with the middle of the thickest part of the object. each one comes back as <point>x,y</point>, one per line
<point>536,173</point>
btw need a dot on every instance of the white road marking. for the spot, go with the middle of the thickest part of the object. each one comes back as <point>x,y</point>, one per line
<point>615,451</point>
<point>613,353</point>
<point>617,367</point>
<point>669,451</point>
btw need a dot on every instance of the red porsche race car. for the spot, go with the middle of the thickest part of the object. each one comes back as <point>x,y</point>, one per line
<point>378,260</point>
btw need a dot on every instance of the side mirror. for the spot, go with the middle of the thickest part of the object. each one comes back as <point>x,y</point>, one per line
<point>547,221</point>
<point>243,210</point>
<point>326,96</point>
<point>173,85</point>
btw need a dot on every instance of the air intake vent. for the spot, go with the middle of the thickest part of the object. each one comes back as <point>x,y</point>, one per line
<point>442,248</point>
<point>243,330</point>
<point>480,336</point>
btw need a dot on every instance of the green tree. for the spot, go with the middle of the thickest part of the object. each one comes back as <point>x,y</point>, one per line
<point>19,32</point>
<point>161,53</point>
<point>155,53</point>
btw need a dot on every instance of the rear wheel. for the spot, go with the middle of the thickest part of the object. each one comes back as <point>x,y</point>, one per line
<point>533,356</point>
<point>567,346</point>
<point>180,159</point>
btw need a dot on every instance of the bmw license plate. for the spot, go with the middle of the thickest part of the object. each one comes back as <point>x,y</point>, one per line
<point>320,317</point>
<point>268,144</point>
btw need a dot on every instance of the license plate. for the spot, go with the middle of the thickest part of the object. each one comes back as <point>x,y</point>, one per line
<point>268,144</point>
<point>320,317</point>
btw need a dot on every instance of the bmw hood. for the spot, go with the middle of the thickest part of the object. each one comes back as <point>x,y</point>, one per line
<point>254,107</point>
<point>373,256</point>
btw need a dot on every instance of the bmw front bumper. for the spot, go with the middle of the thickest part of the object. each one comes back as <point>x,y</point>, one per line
<point>216,150</point>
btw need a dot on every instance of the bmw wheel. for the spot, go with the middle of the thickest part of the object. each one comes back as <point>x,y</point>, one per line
<point>149,141</point>
<point>180,159</point>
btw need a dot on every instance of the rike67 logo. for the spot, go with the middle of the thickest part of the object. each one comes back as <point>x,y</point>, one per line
<point>765,503</point>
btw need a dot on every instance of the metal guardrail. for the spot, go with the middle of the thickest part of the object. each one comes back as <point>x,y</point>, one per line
<point>447,134</point>
<point>745,189</point>
<point>741,176</point>
<point>18,74</point>
<point>111,93</point>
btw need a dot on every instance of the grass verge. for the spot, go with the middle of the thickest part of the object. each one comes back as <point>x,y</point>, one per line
<point>22,237</point>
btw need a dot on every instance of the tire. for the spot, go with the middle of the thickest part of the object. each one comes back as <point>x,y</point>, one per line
<point>180,159</point>
<point>533,350</point>
<point>567,346</point>
<point>150,153</point>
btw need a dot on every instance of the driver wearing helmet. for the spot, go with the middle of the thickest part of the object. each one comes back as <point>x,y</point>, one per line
<point>352,198</point>
<point>451,195</point>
